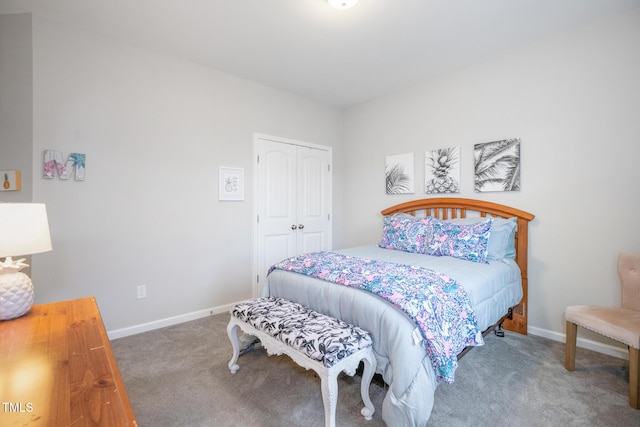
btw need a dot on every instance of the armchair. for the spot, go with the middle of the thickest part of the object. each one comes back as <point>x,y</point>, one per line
<point>619,323</point>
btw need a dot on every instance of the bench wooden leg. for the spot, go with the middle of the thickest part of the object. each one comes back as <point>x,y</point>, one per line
<point>367,375</point>
<point>329,387</point>
<point>634,377</point>
<point>232,331</point>
<point>570,346</point>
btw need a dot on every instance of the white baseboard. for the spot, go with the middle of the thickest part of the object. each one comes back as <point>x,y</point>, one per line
<point>611,350</point>
<point>169,321</point>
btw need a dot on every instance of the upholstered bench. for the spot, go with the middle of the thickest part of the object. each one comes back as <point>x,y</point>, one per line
<point>313,340</point>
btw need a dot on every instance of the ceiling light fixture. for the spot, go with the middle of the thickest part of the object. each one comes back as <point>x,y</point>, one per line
<point>342,4</point>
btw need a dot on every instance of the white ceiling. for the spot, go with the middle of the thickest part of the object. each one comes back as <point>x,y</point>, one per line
<point>337,57</point>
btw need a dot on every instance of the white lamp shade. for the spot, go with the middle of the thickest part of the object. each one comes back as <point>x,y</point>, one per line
<point>342,4</point>
<point>24,229</point>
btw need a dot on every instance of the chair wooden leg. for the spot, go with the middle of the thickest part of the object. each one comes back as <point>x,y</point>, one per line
<point>634,377</point>
<point>570,346</point>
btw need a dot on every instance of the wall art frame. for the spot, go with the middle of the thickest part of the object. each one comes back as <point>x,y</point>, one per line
<point>230,184</point>
<point>442,171</point>
<point>399,174</point>
<point>497,166</point>
<point>11,180</point>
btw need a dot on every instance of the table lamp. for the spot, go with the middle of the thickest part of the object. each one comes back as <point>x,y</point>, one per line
<point>24,230</point>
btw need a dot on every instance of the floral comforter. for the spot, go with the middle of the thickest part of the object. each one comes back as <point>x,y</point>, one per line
<point>401,355</point>
<point>437,304</point>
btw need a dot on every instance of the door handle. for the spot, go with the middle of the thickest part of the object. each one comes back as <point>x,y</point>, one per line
<point>293,226</point>
<point>301,226</point>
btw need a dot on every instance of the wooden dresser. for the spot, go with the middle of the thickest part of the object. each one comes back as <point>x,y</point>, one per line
<point>57,369</point>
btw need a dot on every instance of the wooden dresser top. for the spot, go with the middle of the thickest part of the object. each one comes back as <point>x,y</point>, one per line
<point>57,369</point>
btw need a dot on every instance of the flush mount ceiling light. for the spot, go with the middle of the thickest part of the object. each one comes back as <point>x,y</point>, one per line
<point>342,4</point>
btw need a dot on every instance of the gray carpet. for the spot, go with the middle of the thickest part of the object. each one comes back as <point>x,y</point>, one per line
<point>178,376</point>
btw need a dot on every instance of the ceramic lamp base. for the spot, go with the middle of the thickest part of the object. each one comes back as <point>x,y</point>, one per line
<point>16,295</point>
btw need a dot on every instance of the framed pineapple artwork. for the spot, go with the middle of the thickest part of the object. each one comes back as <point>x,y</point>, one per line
<point>442,171</point>
<point>230,184</point>
<point>497,165</point>
<point>10,180</point>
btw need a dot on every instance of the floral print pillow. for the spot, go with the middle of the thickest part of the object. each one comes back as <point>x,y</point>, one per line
<point>404,232</point>
<point>468,242</point>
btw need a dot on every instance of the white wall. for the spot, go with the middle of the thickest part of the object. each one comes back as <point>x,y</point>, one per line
<point>575,103</point>
<point>154,130</point>
<point>15,102</point>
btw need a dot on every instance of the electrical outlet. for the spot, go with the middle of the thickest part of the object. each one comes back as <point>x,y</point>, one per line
<point>142,291</point>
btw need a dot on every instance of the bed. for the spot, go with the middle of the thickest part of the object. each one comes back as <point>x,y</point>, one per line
<point>447,239</point>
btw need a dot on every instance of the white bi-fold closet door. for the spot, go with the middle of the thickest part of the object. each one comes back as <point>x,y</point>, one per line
<point>293,201</point>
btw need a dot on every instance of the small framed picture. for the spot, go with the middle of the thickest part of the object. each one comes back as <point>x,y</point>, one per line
<point>231,184</point>
<point>497,165</point>
<point>399,174</point>
<point>10,180</point>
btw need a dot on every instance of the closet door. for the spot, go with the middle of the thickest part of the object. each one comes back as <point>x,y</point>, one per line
<point>276,205</point>
<point>313,191</point>
<point>293,202</point>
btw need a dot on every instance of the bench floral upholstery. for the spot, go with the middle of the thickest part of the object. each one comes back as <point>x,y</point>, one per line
<point>313,340</point>
<point>316,335</point>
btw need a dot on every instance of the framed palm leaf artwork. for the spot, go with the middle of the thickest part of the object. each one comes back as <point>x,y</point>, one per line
<point>497,165</point>
<point>399,174</point>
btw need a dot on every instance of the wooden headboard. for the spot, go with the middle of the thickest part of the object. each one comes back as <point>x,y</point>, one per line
<point>453,207</point>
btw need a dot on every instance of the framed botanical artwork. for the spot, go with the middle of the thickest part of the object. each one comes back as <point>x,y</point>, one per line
<point>230,183</point>
<point>497,165</point>
<point>399,175</point>
<point>10,180</point>
<point>442,171</point>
